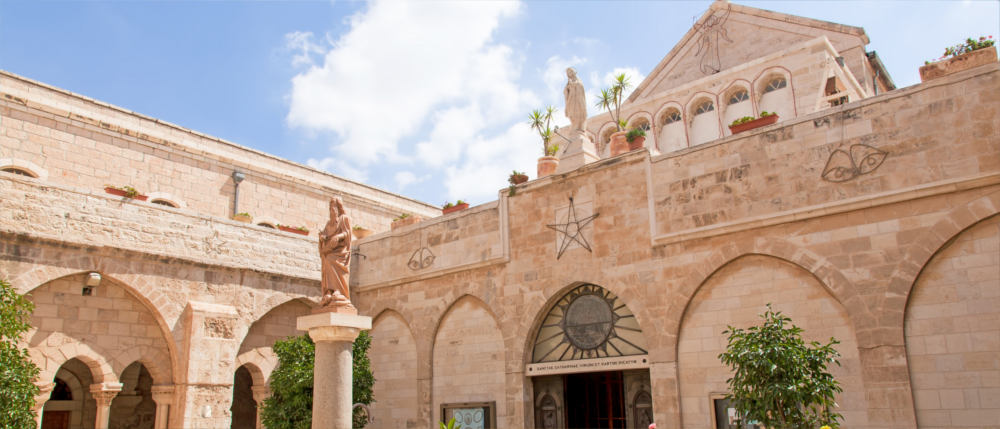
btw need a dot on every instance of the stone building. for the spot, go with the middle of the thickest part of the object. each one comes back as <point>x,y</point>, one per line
<point>157,313</point>
<point>597,297</point>
<point>593,297</point>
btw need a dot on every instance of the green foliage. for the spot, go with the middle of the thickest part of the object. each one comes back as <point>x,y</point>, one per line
<point>129,191</point>
<point>779,381</point>
<point>611,99</point>
<point>634,133</point>
<point>291,400</point>
<point>363,377</point>
<point>401,216</point>
<point>551,150</point>
<point>17,372</point>
<point>745,119</point>
<point>290,403</point>
<point>969,45</point>
<point>451,424</point>
<point>539,121</point>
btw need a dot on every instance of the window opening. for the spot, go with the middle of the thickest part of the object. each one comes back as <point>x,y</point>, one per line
<point>266,225</point>
<point>775,84</point>
<point>19,171</point>
<point>704,108</point>
<point>671,117</point>
<point>739,96</point>
<point>61,391</point>
<point>163,202</point>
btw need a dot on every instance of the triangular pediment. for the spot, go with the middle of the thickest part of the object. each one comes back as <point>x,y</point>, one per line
<point>728,35</point>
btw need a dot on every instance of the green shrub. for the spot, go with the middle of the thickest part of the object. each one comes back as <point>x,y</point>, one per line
<point>17,372</point>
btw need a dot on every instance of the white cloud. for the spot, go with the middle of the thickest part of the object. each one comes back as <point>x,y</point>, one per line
<point>339,167</point>
<point>303,47</point>
<point>489,162</point>
<point>407,178</point>
<point>382,80</point>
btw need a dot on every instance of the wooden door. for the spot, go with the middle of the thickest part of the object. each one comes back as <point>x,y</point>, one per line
<point>55,420</point>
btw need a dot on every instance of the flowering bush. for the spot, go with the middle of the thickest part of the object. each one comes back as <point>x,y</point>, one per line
<point>969,46</point>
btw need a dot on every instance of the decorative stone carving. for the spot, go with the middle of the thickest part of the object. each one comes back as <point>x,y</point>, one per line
<point>846,165</point>
<point>572,230</point>
<point>422,258</point>
<point>335,256</point>
<point>576,101</point>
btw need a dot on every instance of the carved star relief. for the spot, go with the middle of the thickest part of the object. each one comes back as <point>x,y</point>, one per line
<point>572,230</point>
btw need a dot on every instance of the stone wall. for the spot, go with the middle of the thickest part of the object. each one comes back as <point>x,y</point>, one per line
<point>394,353</point>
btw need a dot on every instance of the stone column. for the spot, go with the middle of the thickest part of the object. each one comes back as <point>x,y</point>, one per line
<point>260,393</point>
<point>164,397</point>
<point>104,393</point>
<point>334,335</point>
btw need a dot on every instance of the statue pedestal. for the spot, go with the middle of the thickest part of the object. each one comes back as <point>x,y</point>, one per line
<point>579,152</point>
<point>334,335</point>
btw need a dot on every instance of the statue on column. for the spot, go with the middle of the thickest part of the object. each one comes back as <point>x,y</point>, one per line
<point>576,101</point>
<point>335,256</point>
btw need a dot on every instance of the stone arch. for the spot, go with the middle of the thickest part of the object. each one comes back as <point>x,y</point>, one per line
<point>49,360</point>
<point>166,197</point>
<point>784,105</point>
<point>471,343</point>
<point>394,362</point>
<point>256,340</point>
<point>644,120</point>
<point>672,136</point>
<point>913,262</point>
<point>121,323</point>
<point>735,294</point>
<point>738,110</point>
<point>33,170</point>
<point>951,330</point>
<point>604,137</point>
<point>826,273</point>
<point>258,365</point>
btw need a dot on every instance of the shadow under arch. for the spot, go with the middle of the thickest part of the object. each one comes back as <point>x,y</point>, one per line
<point>168,374</point>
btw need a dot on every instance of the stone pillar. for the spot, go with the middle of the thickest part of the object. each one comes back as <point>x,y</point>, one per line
<point>104,393</point>
<point>260,393</point>
<point>164,398</point>
<point>334,335</point>
<point>579,151</point>
<point>44,391</point>
<point>208,362</point>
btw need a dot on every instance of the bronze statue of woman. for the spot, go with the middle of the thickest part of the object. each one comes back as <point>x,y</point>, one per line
<point>335,254</point>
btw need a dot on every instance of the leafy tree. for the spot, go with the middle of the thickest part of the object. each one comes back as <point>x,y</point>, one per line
<point>17,372</point>
<point>291,400</point>
<point>779,381</point>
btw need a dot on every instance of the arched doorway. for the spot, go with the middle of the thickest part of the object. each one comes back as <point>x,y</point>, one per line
<point>244,407</point>
<point>133,407</point>
<point>70,405</point>
<point>589,356</point>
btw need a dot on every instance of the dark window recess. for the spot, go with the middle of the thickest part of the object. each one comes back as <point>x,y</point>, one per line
<point>18,171</point>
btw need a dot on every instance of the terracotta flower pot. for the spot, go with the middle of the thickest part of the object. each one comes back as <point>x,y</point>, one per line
<point>756,123</point>
<point>636,143</point>
<point>547,165</point>
<point>360,233</point>
<point>619,144</point>
<point>292,230</point>
<point>243,218</point>
<point>455,208</point>
<point>407,221</point>
<point>123,193</point>
<point>958,63</point>
<point>518,179</point>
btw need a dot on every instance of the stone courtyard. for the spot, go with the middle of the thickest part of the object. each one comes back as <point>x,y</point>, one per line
<point>866,213</point>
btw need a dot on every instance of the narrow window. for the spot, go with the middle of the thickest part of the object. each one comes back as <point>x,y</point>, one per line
<point>19,171</point>
<point>739,96</point>
<point>775,84</point>
<point>671,117</point>
<point>163,202</point>
<point>704,108</point>
<point>266,225</point>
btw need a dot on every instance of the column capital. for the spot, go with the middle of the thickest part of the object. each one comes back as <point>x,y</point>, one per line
<point>105,392</point>
<point>162,394</point>
<point>335,327</point>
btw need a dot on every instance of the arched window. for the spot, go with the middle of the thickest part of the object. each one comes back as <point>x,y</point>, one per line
<point>266,225</point>
<point>672,135</point>
<point>19,171</point>
<point>606,138</point>
<point>738,96</point>
<point>776,96</point>
<point>61,391</point>
<point>164,202</point>
<point>775,84</point>
<point>705,122</point>
<point>640,123</point>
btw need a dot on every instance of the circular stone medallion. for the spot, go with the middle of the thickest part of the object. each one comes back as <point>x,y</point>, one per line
<point>588,321</point>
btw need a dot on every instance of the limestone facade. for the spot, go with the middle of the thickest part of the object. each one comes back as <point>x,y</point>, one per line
<point>189,301</point>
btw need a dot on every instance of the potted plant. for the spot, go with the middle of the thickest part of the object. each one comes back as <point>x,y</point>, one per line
<point>450,208</point>
<point>361,232</point>
<point>517,177</point>
<point>963,56</point>
<point>747,123</point>
<point>301,230</point>
<point>540,122</point>
<point>405,219</point>
<point>611,100</point>
<point>243,217</point>
<point>635,137</point>
<point>125,191</point>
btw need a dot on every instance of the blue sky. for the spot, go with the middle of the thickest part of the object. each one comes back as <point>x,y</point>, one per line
<point>425,98</point>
